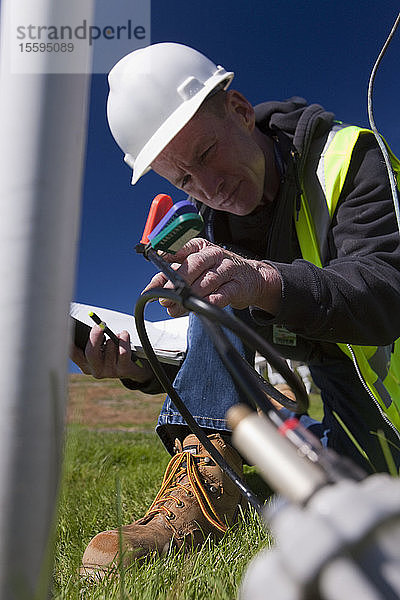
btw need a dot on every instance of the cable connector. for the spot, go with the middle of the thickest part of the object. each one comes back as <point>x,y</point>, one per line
<point>141,249</point>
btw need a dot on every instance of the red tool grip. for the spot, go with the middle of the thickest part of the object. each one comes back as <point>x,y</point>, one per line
<point>159,207</point>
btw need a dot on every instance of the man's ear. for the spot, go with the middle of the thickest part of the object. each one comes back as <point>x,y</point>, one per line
<point>240,109</point>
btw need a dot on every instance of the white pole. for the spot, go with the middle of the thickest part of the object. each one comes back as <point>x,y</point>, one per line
<point>43,131</point>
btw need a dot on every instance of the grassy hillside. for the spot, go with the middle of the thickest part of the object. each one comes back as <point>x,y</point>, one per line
<point>108,404</point>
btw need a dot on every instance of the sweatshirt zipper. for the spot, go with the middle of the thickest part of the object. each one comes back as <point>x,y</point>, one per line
<point>299,192</point>
<point>371,395</point>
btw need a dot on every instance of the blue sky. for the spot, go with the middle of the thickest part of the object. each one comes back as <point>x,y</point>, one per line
<point>321,50</point>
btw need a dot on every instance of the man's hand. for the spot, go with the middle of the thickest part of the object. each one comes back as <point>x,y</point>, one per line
<point>104,359</point>
<point>221,277</point>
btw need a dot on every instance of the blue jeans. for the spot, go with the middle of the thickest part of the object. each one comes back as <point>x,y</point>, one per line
<point>203,383</point>
<point>208,392</point>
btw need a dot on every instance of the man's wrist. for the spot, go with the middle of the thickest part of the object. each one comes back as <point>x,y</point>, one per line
<point>269,288</point>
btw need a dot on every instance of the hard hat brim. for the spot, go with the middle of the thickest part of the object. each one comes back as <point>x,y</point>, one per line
<point>172,126</point>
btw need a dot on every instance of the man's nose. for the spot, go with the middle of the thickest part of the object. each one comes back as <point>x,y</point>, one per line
<point>212,184</point>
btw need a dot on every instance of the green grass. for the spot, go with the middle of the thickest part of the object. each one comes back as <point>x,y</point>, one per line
<point>96,465</point>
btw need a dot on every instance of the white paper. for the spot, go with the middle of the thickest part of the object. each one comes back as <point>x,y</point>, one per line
<point>168,338</point>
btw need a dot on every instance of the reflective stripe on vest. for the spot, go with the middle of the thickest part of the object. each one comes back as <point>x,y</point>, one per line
<point>323,182</point>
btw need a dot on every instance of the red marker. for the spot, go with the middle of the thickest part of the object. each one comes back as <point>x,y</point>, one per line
<point>159,207</point>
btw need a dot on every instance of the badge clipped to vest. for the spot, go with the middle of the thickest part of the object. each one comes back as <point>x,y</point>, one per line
<point>283,337</point>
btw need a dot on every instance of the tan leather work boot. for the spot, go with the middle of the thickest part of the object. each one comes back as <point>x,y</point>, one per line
<point>196,499</point>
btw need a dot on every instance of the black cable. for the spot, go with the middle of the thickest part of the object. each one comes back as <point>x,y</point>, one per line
<point>168,387</point>
<point>183,295</point>
<point>254,387</point>
<point>241,372</point>
<point>256,343</point>
<point>381,143</point>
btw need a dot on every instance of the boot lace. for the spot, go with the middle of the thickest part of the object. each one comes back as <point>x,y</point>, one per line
<point>184,464</point>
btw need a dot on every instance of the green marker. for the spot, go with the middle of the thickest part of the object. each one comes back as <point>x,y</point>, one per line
<point>176,234</point>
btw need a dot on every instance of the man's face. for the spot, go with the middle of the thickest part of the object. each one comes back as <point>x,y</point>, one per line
<point>217,160</point>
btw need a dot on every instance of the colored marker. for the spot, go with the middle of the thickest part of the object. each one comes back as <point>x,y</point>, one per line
<point>158,209</point>
<point>176,234</point>
<point>178,209</point>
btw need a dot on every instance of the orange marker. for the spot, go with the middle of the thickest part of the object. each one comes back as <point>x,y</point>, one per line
<point>159,207</point>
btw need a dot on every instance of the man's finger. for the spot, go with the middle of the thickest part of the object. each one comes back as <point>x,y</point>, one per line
<point>94,349</point>
<point>192,246</point>
<point>77,355</point>
<point>124,348</point>
<point>109,359</point>
<point>198,264</point>
<point>176,310</point>
<point>158,280</point>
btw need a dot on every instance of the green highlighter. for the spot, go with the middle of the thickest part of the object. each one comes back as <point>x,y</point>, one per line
<point>176,234</point>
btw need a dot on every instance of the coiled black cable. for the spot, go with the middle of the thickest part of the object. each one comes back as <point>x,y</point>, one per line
<point>254,387</point>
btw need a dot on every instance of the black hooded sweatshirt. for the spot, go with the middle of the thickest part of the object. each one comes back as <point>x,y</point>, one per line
<point>355,297</point>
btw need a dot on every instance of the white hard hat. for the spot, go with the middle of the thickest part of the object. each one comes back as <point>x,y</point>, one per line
<point>154,92</point>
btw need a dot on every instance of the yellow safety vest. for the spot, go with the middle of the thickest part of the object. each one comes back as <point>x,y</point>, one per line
<point>322,183</point>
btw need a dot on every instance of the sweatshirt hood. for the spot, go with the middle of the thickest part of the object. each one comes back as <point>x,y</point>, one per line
<point>300,121</point>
